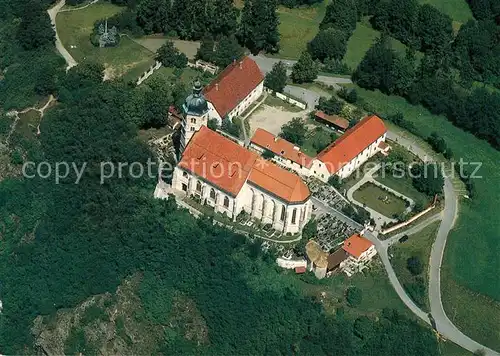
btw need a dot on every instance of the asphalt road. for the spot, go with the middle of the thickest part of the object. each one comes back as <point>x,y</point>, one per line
<point>449,215</point>
<point>266,64</point>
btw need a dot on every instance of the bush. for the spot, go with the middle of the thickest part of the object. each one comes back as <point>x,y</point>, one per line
<point>415,265</point>
<point>354,296</point>
<point>334,181</point>
<point>351,96</point>
<point>336,67</point>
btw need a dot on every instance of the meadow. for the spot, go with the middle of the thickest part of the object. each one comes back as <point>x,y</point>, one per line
<point>418,244</point>
<point>472,256</point>
<point>74,29</point>
<point>458,10</point>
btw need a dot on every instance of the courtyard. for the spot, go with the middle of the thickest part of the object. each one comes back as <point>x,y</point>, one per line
<point>271,118</point>
<point>380,200</point>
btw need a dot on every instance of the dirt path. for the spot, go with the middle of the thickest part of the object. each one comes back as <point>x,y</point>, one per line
<point>53,11</point>
<point>15,114</point>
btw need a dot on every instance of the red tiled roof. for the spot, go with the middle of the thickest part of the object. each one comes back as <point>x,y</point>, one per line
<point>227,165</point>
<point>383,145</point>
<point>300,270</point>
<point>280,147</point>
<point>284,184</point>
<point>333,119</point>
<point>218,160</point>
<point>356,245</point>
<point>352,143</point>
<point>234,84</point>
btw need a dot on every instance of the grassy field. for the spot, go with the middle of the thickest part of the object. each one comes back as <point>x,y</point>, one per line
<point>28,123</point>
<point>474,313</point>
<point>297,27</point>
<point>472,256</point>
<point>458,10</point>
<point>361,40</point>
<point>371,195</point>
<point>74,29</point>
<point>419,245</point>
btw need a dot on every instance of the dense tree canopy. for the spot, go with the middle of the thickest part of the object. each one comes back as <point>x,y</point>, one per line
<point>477,51</point>
<point>427,178</point>
<point>329,43</point>
<point>170,56</point>
<point>434,29</point>
<point>35,30</point>
<point>342,15</point>
<point>258,28</point>
<point>385,69</point>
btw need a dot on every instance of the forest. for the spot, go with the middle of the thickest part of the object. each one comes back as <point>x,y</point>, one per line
<point>62,243</point>
<point>66,242</point>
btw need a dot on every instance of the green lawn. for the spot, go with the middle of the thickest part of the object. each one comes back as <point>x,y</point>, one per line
<point>472,256</point>
<point>372,196</point>
<point>74,29</point>
<point>458,10</point>
<point>297,27</point>
<point>418,244</point>
<point>405,187</point>
<point>188,76</point>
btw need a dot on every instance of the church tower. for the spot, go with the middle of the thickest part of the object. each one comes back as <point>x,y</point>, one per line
<point>195,110</point>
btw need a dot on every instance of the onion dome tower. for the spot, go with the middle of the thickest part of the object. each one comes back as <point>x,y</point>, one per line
<point>195,110</point>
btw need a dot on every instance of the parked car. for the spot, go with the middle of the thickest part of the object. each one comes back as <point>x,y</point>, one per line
<point>403,238</point>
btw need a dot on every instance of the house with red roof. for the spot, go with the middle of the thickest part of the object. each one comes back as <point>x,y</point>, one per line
<point>360,251</point>
<point>231,179</point>
<point>284,153</point>
<point>351,150</point>
<point>237,87</point>
<point>341,158</point>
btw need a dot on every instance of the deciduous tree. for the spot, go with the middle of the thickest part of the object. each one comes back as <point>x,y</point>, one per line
<point>276,78</point>
<point>305,70</point>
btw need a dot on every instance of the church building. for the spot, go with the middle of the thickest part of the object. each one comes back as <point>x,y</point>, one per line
<point>231,179</point>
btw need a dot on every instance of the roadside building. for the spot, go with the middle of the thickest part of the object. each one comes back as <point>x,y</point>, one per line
<point>336,259</point>
<point>332,121</point>
<point>237,87</point>
<point>352,149</point>
<point>360,250</point>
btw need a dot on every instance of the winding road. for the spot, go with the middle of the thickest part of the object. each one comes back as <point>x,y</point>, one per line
<point>448,217</point>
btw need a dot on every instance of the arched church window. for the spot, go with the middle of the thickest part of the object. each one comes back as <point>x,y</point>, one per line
<point>226,202</point>
<point>212,193</point>
<point>198,186</point>
<point>283,211</point>
<point>193,120</point>
<point>294,215</point>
